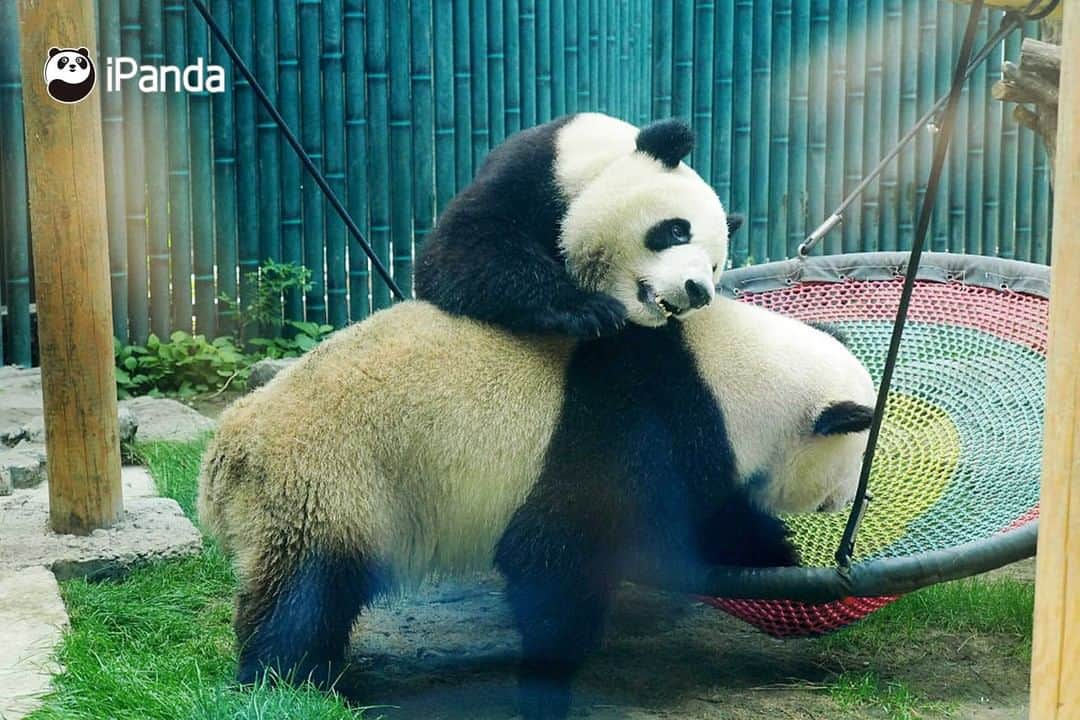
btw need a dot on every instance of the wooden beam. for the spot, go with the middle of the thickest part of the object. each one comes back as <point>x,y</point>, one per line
<point>1055,661</point>
<point>71,271</point>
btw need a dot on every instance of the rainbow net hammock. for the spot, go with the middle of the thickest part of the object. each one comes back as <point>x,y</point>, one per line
<point>955,484</point>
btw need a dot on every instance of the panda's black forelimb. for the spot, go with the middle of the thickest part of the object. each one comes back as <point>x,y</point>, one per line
<point>741,534</point>
<point>300,631</point>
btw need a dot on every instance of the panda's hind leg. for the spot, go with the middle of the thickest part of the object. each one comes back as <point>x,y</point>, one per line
<point>295,626</point>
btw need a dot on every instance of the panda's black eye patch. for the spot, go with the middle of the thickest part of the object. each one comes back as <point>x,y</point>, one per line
<point>62,62</point>
<point>81,62</point>
<point>667,233</point>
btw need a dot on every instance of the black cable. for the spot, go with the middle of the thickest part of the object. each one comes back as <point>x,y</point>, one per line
<point>941,147</point>
<point>309,164</point>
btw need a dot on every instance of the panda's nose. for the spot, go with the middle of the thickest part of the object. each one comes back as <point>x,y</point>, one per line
<point>697,293</point>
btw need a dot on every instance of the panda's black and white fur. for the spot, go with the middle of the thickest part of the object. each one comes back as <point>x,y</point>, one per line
<point>499,251</point>
<point>420,442</point>
<point>69,74</point>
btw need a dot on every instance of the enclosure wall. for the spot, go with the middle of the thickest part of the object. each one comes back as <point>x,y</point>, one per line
<point>793,102</point>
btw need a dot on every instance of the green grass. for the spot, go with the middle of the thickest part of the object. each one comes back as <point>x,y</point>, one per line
<point>999,606</point>
<point>158,644</point>
<point>865,691</point>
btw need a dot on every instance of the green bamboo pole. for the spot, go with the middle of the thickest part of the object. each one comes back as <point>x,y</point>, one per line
<point>584,70</point>
<point>445,178</point>
<point>462,94</point>
<point>909,113</point>
<point>135,177</point>
<point>378,97</point>
<point>292,238</point>
<point>478,52</point>
<point>892,71</point>
<point>543,60</point>
<point>609,51</point>
<point>799,132</point>
<point>354,19</point>
<point>311,127</point>
<point>873,125</point>
<point>225,196</point>
<point>112,120</point>
<point>1041,208</point>
<point>704,85</point>
<point>836,133</point>
<point>496,72</point>
<point>991,205</point>
<point>157,174</point>
<point>760,136</point>
<point>179,173</point>
<point>723,126</point>
<point>682,48</point>
<point>202,186</point>
<point>527,46</point>
<point>638,52</point>
<point>946,38</point>
<point>818,89</point>
<point>266,72</point>
<point>626,60</point>
<point>333,100</point>
<point>423,116</point>
<point>663,24</point>
<point>778,194</point>
<point>401,155</point>
<point>1025,172</point>
<point>1009,171</point>
<point>596,66</point>
<point>248,210</point>
<point>558,58</point>
<point>958,152</point>
<point>855,121</point>
<point>977,100</point>
<point>573,59</point>
<point>15,222</point>
<point>512,40</point>
<point>742,101</point>
<point>927,95</point>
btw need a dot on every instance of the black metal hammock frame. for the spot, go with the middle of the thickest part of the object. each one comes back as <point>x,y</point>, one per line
<point>852,576</point>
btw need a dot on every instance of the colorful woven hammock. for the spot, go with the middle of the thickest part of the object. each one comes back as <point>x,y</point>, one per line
<point>956,483</point>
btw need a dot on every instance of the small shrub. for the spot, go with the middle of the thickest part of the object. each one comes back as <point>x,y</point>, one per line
<point>191,365</point>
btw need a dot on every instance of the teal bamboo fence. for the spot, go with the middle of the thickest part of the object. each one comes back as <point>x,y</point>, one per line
<point>793,101</point>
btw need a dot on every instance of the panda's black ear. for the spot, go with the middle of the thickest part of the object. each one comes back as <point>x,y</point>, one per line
<point>669,141</point>
<point>842,418</point>
<point>53,51</point>
<point>734,222</point>
<point>84,52</point>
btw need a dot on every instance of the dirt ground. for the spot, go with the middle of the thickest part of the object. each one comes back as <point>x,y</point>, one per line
<point>449,654</point>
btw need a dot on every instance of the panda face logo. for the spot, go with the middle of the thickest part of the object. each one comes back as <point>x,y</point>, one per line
<point>69,74</point>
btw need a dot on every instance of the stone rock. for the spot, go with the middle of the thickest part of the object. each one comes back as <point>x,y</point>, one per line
<point>159,419</point>
<point>129,425</point>
<point>151,529</point>
<point>6,486</point>
<point>264,371</point>
<point>24,465</point>
<point>32,623</point>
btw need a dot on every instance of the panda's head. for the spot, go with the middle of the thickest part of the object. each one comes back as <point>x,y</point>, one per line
<point>648,230</point>
<point>69,74</point>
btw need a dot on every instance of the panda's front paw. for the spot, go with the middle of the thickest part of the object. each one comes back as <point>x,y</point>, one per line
<point>593,316</point>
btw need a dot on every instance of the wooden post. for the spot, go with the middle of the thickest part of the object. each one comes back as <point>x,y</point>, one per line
<point>71,269</point>
<point>1055,661</point>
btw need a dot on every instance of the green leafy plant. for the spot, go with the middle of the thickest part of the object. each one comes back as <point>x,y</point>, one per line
<point>187,365</point>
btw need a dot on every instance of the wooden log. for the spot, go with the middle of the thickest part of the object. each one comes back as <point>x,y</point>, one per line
<point>71,269</point>
<point>1034,81</point>
<point>1055,662</point>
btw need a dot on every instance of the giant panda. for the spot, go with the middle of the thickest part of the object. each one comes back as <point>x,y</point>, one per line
<point>421,442</point>
<point>498,251</point>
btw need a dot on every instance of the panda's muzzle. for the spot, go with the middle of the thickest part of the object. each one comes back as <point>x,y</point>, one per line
<point>696,296</point>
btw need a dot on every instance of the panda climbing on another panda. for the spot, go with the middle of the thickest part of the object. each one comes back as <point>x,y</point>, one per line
<point>420,442</point>
<point>499,251</point>
<point>69,74</point>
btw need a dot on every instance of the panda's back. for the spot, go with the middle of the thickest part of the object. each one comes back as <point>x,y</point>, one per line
<point>411,436</point>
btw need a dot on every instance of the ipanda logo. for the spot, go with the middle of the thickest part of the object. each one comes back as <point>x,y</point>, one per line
<point>70,75</point>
